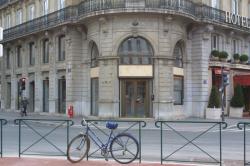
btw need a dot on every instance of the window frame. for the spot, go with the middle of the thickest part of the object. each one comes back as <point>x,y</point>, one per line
<point>180,91</point>
<point>8,58</point>
<point>19,16</point>
<point>178,60</point>
<point>61,50</point>
<point>31,11</point>
<point>94,58</point>
<point>32,59</point>
<point>19,56</point>
<point>45,51</point>
<point>45,7</point>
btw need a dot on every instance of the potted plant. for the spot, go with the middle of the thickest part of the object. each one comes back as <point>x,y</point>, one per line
<point>237,103</point>
<point>244,58</point>
<point>236,58</point>
<point>223,56</point>
<point>213,110</point>
<point>215,55</point>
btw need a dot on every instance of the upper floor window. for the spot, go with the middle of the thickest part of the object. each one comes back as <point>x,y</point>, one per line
<point>178,55</point>
<point>19,16</point>
<point>215,42</point>
<point>8,59</point>
<point>7,21</point>
<point>135,50</point>
<point>32,53</point>
<point>45,51</point>
<point>94,55</point>
<point>31,12</point>
<point>60,4</point>
<point>236,46</point>
<point>45,7</point>
<point>235,6</point>
<point>61,48</point>
<point>215,4</point>
<point>18,56</point>
<point>178,90</point>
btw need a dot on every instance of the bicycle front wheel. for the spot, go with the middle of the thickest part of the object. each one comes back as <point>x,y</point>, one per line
<point>124,148</point>
<point>78,148</point>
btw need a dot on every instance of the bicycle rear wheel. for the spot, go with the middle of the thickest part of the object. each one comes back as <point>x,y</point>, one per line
<point>124,148</point>
<point>78,148</point>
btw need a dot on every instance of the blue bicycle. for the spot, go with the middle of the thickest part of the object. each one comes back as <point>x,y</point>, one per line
<point>123,147</point>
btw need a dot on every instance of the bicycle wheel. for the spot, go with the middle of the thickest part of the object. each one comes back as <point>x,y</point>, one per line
<point>124,148</point>
<point>78,148</point>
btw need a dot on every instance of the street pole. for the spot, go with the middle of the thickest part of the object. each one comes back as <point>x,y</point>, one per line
<point>222,95</point>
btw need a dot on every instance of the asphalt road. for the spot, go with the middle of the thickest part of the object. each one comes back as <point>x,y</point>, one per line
<point>205,148</point>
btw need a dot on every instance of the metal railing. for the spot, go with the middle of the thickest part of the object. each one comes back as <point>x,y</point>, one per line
<point>244,126</point>
<point>2,122</point>
<point>189,140</point>
<point>71,14</point>
<point>133,127</point>
<point>34,127</point>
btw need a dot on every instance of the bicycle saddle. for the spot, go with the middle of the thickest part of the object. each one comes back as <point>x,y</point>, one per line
<point>111,125</point>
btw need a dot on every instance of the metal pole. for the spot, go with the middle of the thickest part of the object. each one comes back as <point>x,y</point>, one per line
<point>19,147</point>
<point>244,144</point>
<point>161,143</point>
<point>67,136</point>
<point>220,148</point>
<point>140,140</point>
<point>1,139</point>
<point>222,95</point>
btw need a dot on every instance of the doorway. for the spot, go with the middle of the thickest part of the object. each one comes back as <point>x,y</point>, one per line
<point>46,95</point>
<point>62,96</point>
<point>31,96</point>
<point>135,98</point>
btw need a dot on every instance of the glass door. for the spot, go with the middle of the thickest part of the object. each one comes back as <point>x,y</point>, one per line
<point>135,98</point>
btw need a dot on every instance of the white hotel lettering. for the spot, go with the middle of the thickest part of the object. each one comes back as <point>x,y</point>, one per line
<point>236,19</point>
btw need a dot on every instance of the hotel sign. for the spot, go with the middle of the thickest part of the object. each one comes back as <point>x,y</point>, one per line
<point>236,19</point>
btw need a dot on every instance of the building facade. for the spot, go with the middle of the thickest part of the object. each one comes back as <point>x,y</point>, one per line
<point>122,58</point>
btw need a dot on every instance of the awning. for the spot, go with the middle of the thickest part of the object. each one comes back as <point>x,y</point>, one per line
<point>243,80</point>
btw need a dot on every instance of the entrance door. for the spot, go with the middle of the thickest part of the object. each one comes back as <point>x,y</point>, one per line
<point>135,98</point>
<point>31,96</point>
<point>62,96</point>
<point>45,95</point>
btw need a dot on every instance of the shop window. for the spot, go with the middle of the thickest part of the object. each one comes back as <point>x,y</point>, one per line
<point>46,51</point>
<point>178,90</point>
<point>19,56</point>
<point>135,51</point>
<point>32,53</point>
<point>94,55</point>
<point>178,55</point>
<point>61,48</point>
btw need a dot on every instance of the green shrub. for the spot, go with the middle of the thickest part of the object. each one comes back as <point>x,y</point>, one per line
<point>214,99</point>
<point>236,56</point>
<point>223,55</point>
<point>243,58</point>
<point>215,53</point>
<point>238,98</point>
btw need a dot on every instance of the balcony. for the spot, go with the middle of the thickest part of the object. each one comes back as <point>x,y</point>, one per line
<point>88,8</point>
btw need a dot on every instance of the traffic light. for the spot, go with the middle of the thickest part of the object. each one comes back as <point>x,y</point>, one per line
<point>22,82</point>
<point>225,79</point>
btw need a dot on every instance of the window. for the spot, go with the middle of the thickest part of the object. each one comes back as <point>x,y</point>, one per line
<point>45,51</point>
<point>94,55</point>
<point>235,7</point>
<point>178,55</point>
<point>8,59</point>
<point>19,57</point>
<point>7,21</point>
<point>135,50</point>
<point>61,48</point>
<point>32,53</point>
<point>60,4</point>
<point>215,42</point>
<point>178,90</point>
<point>19,16</point>
<point>236,44</point>
<point>94,96</point>
<point>215,4</point>
<point>45,7</point>
<point>31,12</point>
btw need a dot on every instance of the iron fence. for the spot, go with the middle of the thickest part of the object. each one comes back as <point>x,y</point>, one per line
<point>34,129</point>
<point>174,128</point>
<point>98,126</point>
<point>2,122</point>
<point>244,126</point>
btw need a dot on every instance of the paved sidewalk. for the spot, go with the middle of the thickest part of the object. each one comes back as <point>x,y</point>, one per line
<point>61,162</point>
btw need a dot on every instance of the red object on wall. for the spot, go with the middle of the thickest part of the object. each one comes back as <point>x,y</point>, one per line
<point>71,111</point>
<point>243,80</point>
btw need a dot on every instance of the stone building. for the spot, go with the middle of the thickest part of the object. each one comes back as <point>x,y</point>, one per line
<point>120,58</point>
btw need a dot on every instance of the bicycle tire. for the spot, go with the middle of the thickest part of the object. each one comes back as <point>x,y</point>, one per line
<point>86,142</point>
<point>119,140</point>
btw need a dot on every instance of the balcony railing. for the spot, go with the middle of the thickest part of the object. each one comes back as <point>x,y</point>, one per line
<point>186,8</point>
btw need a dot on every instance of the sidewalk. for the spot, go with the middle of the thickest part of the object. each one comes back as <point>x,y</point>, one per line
<point>61,162</point>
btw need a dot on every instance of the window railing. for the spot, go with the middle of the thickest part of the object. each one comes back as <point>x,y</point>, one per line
<point>187,8</point>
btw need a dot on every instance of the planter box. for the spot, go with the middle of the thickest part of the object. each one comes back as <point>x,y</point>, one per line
<point>236,112</point>
<point>213,113</point>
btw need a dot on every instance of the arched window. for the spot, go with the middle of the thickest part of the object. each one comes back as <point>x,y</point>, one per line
<point>135,51</point>
<point>94,55</point>
<point>178,55</point>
